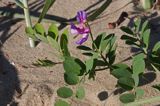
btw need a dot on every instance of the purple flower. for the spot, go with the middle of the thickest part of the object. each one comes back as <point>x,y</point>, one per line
<point>81,16</point>
<point>83,39</point>
<point>81,28</point>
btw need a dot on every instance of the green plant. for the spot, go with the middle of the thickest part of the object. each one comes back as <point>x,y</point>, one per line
<point>101,53</point>
<point>24,5</point>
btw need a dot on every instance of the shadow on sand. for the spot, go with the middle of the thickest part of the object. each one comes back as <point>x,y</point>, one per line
<point>9,82</point>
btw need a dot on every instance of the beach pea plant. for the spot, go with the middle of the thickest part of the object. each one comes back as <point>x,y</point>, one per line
<point>101,53</point>
<point>101,56</point>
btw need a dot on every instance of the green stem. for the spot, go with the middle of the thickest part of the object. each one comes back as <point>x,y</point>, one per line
<point>154,67</point>
<point>101,69</point>
<point>144,101</point>
<point>90,33</point>
<point>92,37</point>
<point>104,59</point>
<point>96,46</point>
<point>28,21</point>
<point>82,80</point>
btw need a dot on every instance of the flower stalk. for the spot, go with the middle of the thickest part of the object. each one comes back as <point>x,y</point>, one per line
<point>28,21</point>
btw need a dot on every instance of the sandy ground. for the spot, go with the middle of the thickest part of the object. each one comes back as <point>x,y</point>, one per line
<point>21,84</point>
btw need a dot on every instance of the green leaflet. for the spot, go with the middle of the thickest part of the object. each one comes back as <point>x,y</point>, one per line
<point>64,92</point>
<point>47,5</point>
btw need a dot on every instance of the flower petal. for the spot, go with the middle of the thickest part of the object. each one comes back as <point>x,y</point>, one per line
<point>82,29</point>
<point>87,30</point>
<point>81,16</point>
<point>74,29</point>
<point>83,39</point>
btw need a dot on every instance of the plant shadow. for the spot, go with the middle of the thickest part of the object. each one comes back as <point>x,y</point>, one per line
<point>144,79</point>
<point>154,25</point>
<point>154,20</point>
<point>103,95</point>
<point>5,27</point>
<point>9,82</point>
